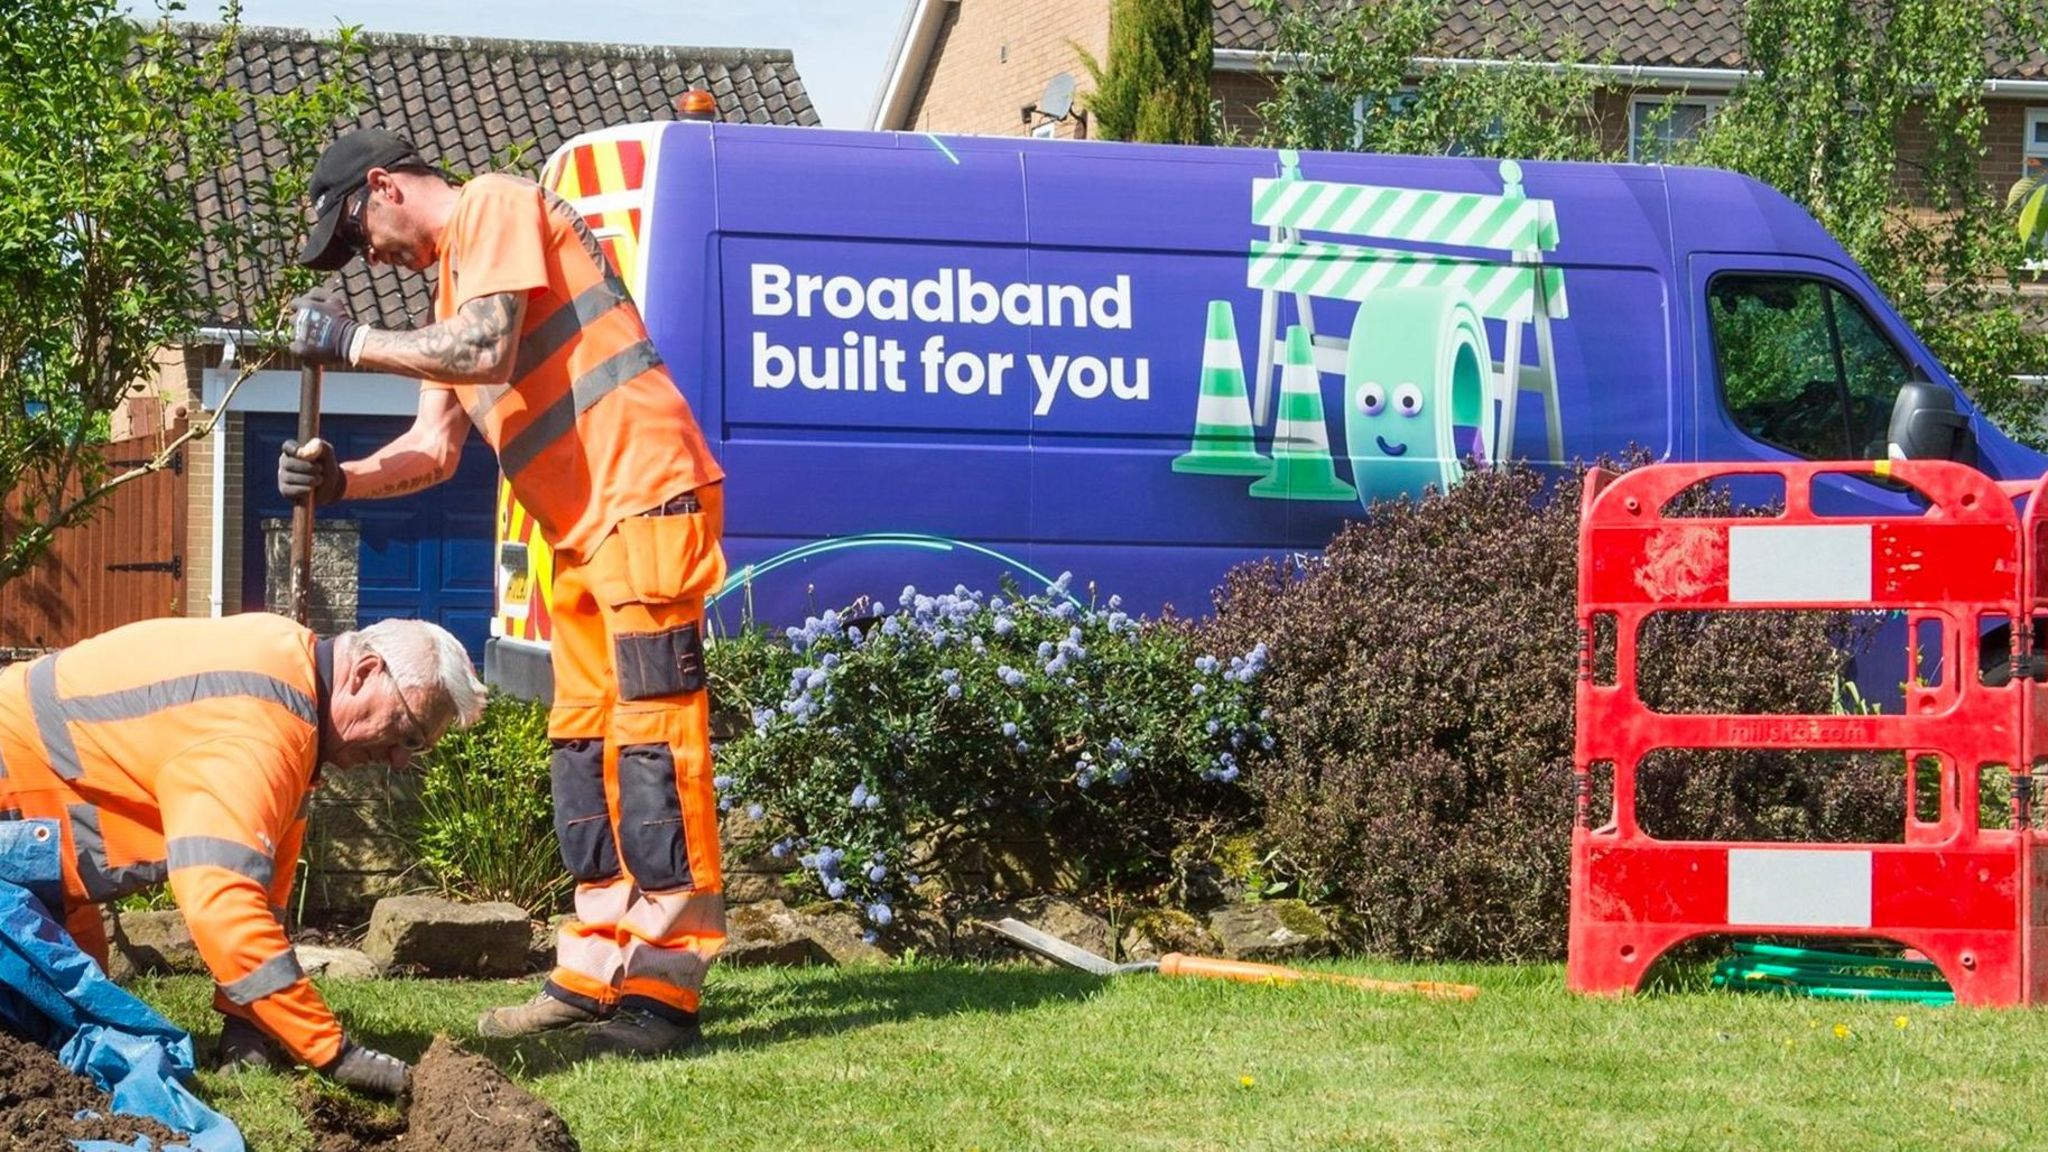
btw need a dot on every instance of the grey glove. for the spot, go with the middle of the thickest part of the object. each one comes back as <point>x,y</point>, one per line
<point>243,1045</point>
<point>371,1071</point>
<point>322,332</point>
<point>321,475</point>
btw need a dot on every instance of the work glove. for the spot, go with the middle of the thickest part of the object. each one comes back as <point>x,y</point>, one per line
<point>310,469</point>
<point>368,1070</point>
<point>322,332</point>
<point>243,1045</point>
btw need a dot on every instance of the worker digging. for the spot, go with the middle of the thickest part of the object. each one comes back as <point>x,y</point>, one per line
<point>537,345</point>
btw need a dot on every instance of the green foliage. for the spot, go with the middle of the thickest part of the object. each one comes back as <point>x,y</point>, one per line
<point>111,132</point>
<point>1841,82</point>
<point>1155,85</point>
<point>2028,203</point>
<point>486,829</point>
<point>1355,82</point>
<point>1421,695</point>
<point>880,746</point>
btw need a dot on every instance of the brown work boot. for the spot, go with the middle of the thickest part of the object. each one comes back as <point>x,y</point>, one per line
<point>640,1031</point>
<point>544,1013</point>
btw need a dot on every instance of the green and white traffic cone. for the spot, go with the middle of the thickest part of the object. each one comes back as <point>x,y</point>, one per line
<point>1224,443</point>
<point>1302,468</point>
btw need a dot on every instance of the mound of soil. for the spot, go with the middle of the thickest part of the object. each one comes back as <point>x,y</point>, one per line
<point>460,1103</point>
<point>39,1099</point>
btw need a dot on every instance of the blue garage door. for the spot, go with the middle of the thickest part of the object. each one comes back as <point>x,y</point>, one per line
<point>425,556</point>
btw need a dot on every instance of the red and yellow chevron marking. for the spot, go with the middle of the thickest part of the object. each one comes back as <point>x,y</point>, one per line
<point>606,167</point>
<point>523,608</point>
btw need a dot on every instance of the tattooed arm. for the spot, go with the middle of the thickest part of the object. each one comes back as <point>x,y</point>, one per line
<point>477,345</point>
<point>422,457</point>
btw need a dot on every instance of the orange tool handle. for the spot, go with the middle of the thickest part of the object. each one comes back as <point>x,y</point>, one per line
<point>1213,968</point>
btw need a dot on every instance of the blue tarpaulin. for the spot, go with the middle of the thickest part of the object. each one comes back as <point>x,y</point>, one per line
<point>52,993</point>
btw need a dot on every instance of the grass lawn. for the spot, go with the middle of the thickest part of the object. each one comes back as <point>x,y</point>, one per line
<point>948,1057</point>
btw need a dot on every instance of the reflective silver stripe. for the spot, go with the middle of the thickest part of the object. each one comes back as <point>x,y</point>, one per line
<point>487,398</point>
<point>273,975</point>
<point>140,701</point>
<point>214,852</point>
<point>551,335</point>
<point>559,418</point>
<point>55,713</point>
<point>101,882</point>
<point>50,724</point>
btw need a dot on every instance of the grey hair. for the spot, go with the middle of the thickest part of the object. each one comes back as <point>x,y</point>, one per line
<point>424,657</point>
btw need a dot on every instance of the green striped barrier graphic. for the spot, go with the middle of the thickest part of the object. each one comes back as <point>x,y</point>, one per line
<point>1467,220</point>
<point>1348,272</point>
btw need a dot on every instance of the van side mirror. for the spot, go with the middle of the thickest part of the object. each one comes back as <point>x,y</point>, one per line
<point>1926,425</point>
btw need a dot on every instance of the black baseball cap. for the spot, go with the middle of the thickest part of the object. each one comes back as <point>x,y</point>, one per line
<point>344,168</point>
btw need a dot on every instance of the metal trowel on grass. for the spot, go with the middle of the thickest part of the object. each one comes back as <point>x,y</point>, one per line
<point>1212,968</point>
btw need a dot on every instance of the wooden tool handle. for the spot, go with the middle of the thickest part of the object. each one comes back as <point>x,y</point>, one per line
<point>302,513</point>
<point>1213,968</point>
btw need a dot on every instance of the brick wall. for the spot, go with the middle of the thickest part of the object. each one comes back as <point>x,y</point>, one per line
<point>1240,94</point>
<point>2005,140</point>
<point>993,57</point>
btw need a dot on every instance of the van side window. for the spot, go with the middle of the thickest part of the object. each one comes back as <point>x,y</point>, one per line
<point>1803,366</point>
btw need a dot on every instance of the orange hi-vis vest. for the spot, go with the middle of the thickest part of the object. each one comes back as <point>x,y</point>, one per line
<point>183,749</point>
<point>590,429</point>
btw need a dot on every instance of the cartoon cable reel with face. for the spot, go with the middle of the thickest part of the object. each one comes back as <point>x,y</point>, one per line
<point>1415,390</point>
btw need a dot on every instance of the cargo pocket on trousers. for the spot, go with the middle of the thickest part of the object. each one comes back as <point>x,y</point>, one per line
<point>651,836</point>
<point>663,554</point>
<point>656,664</point>
<point>583,827</point>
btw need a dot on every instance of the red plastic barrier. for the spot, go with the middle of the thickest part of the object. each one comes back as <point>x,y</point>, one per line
<point>1962,894</point>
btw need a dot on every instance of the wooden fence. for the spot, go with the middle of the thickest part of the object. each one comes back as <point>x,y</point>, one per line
<point>126,564</point>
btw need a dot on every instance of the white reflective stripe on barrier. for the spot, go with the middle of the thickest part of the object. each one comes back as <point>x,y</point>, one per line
<point>1805,563</point>
<point>1803,887</point>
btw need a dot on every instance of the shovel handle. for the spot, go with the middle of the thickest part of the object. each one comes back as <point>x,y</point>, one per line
<point>1215,968</point>
<point>302,512</point>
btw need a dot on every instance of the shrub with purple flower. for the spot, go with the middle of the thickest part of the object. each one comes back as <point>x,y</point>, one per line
<point>978,718</point>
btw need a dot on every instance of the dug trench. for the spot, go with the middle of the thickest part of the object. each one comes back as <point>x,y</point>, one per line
<point>460,1103</point>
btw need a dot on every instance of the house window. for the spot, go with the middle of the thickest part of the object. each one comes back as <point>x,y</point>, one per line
<point>1803,366</point>
<point>2036,156</point>
<point>1365,112</point>
<point>1657,124</point>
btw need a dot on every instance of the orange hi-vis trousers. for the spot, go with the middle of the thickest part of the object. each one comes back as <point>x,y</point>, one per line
<point>631,771</point>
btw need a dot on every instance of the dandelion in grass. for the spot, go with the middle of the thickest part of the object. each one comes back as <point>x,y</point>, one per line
<point>1841,1031</point>
<point>1901,1023</point>
<point>1245,1081</point>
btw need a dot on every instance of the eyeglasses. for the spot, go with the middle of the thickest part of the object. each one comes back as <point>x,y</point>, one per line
<point>354,212</point>
<point>415,739</point>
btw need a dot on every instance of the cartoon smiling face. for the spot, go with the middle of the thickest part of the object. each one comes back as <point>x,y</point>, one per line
<point>1387,423</point>
<point>1415,377</point>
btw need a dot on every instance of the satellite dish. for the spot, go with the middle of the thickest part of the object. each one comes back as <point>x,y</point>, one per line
<point>1058,100</point>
